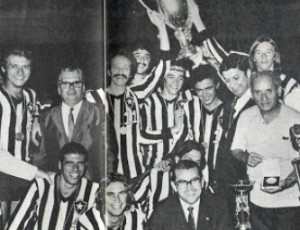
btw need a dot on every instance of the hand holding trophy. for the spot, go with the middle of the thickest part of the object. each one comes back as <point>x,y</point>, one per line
<point>177,15</point>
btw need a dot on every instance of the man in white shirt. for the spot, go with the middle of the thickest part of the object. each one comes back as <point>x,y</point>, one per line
<point>262,142</point>
<point>74,120</point>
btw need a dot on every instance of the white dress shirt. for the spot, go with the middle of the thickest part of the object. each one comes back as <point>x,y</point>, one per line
<point>195,206</point>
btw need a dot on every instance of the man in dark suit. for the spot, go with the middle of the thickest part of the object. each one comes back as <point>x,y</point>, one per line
<point>74,120</point>
<point>188,208</point>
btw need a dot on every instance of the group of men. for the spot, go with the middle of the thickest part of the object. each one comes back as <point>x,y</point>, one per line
<point>174,143</point>
<point>236,147</point>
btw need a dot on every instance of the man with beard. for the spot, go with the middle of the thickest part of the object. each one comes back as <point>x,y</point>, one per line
<point>74,120</point>
<point>58,205</point>
<point>114,207</point>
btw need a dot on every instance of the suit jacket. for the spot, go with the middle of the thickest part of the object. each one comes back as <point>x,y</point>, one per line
<point>235,170</point>
<point>169,215</point>
<point>88,130</point>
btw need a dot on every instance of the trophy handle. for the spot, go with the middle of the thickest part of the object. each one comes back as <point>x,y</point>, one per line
<point>296,164</point>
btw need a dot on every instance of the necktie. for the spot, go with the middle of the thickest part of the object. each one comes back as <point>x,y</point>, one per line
<point>191,221</point>
<point>71,124</point>
<point>232,112</point>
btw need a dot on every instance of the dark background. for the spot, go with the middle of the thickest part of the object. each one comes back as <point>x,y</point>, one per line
<point>235,24</point>
<point>60,33</point>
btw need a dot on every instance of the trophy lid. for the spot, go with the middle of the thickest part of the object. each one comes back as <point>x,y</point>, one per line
<point>242,185</point>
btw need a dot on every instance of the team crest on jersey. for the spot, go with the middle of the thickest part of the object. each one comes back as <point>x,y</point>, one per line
<point>130,102</point>
<point>31,107</point>
<point>80,206</point>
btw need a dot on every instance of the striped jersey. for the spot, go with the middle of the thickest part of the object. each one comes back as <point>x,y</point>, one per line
<point>288,83</point>
<point>206,128</point>
<point>144,88</point>
<point>92,220</point>
<point>153,187</point>
<point>16,119</point>
<point>124,112</point>
<point>157,117</point>
<point>44,208</point>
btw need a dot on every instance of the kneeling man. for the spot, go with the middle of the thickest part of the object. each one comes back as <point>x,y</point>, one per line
<point>57,205</point>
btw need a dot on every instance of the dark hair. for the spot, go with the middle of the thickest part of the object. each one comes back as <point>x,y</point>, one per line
<point>72,147</point>
<point>234,61</point>
<point>259,40</point>
<point>185,164</point>
<point>267,73</point>
<point>187,146</point>
<point>71,69</point>
<point>111,178</point>
<point>143,45</point>
<point>201,73</point>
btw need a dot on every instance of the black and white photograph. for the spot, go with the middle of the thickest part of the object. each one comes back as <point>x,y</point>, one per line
<point>150,114</point>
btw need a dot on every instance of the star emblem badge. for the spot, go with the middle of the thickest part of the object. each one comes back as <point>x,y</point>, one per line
<point>80,206</point>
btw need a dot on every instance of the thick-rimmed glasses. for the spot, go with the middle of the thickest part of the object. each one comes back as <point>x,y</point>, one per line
<point>183,183</point>
<point>75,84</point>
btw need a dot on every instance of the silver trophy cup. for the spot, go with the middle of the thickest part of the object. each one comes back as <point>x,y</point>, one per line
<point>242,211</point>
<point>176,15</point>
<point>295,139</point>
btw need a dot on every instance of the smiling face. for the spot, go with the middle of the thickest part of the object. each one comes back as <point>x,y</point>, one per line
<point>236,81</point>
<point>116,199</point>
<point>120,70</point>
<point>143,59</point>
<point>206,91</point>
<point>264,93</point>
<point>173,81</point>
<point>188,192</point>
<point>73,168</point>
<point>71,88</point>
<point>17,70</point>
<point>264,56</point>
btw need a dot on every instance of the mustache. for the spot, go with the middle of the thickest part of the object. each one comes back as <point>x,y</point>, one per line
<point>120,75</point>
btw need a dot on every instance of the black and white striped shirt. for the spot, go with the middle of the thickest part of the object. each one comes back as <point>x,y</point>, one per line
<point>124,112</point>
<point>17,118</point>
<point>157,120</point>
<point>44,208</point>
<point>92,220</point>
<point>148,85</point>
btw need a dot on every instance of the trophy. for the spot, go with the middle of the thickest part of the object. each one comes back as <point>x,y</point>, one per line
<point>242,211</point>
<point>295,139</point>
<point>177,17</point>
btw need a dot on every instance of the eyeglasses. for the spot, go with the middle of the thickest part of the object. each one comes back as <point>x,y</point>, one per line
<point>183,183</point>
<point>75,84</point>
<point>71,165</point>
